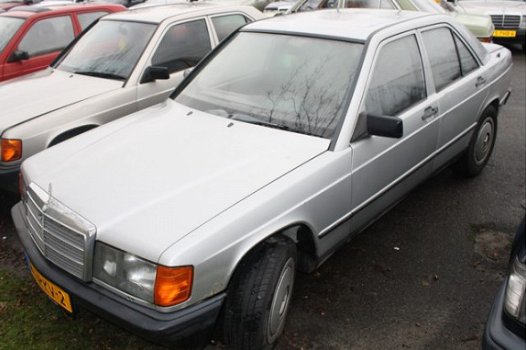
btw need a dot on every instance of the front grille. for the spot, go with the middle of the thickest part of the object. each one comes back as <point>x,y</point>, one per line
<point>62,236</point>
<point>506,21</point>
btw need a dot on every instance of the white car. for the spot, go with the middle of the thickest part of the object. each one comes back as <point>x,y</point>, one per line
<point>290,138</point>
<point>508,16</point>
<point>124,63</point>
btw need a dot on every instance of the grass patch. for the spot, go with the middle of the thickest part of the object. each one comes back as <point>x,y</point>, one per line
<point>29,320</point>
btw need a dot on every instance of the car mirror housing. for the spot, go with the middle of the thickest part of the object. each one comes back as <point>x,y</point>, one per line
<point>385,126</point>
<point>18,55</point>
<point>153,73</point>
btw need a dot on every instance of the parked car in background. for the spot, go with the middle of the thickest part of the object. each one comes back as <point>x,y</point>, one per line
<point>259,4</point>
<point>278,7</point>
<point>8,4</point>
<point>31,37</point>
<point>479,25</point>
<point>126,62</point>
<point>287,140</point>
<point>509,18</point>
<point>506,325</point>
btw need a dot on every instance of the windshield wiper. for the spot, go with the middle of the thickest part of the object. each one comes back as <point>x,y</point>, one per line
<point>101,75</point>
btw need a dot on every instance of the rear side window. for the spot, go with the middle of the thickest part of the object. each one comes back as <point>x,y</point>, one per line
<point>85,19</point>
<point>48,35</point>
<point>183,46</point>
<point>398,81</point>
<point>442,56</point>
<point>225,25</point>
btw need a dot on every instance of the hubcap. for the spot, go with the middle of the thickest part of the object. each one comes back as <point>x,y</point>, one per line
<point>280,301</point>
<point>484,141</point>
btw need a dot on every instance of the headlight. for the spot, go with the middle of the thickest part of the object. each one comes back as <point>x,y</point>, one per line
<point>155,284</point>
<point>523,21</point>
<point>514,302</point>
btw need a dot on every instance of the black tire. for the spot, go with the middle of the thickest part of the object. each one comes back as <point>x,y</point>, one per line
<point>481,145</point>
<point>260,288</point>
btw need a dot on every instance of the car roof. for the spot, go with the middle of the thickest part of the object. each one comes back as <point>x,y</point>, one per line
<point>35,10</point>
<point>352,24</point>
<point>159,13</point>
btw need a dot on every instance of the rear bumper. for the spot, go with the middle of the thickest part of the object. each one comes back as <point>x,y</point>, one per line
<point>171,327</point>
<point>496,335</point>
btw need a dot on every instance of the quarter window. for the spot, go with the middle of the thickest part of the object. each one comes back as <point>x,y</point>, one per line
<point>183,46</point>
<point>467,61</point>
<point>442,56</point>
<point>398,81</point>
<point>225,25</point>
<point>48,35</point>
<point>85,19</point>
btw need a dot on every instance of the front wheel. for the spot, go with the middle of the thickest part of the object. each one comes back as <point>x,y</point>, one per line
<point>259,296</point>
<point>481,145</point>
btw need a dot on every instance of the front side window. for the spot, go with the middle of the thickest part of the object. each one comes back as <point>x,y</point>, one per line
<point>85,19</point>
<point>110,49</point>
<point>8,27</point>
<point>183,46</point>
<point>225,25</point>
<point>397,81</point>
<point>289,82</point>
<point>443,57</point>
<point>48,35</point>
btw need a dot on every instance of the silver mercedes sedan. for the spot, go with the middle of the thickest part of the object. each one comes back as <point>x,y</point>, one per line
<point>289,139</point>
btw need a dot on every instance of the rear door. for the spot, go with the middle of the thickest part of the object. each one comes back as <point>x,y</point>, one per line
<point>460,85</point>
<point>43,41</point>
<point>384,169</point>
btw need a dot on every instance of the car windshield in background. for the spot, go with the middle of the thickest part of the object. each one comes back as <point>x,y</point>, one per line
<point>288,82</point>
<point>8,28</point>
<point>109,50</point>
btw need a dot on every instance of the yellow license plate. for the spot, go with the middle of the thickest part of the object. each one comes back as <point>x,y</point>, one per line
<point>57,294</point>
<point>505,33</point>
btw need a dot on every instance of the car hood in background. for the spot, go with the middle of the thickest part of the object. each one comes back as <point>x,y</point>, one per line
<point>147,184</point>
<point>38,94</point>
<point>479,24</point>
<point>493,7</point>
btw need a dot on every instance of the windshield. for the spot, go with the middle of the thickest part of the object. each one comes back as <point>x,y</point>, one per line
<point>283,81</point>
<point>8,28</point>
<point>108,50</point>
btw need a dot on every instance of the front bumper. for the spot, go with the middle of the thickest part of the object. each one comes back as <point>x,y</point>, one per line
<point>172,327</point>
<point>496,335</point>
<point>520,38</point>
<point>9,178</point>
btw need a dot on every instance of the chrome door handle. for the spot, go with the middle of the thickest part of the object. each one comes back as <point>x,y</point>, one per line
<point>429,112</point>
<point>480,81</point>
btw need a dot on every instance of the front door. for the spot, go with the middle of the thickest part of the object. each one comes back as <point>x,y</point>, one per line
<point>383,168</point>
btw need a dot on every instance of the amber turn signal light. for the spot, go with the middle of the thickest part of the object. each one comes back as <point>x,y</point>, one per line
<point>11,150</point>
<point>173,285</point>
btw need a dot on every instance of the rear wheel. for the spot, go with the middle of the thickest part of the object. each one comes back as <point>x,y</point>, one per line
<point>259,296</point>
<point>481,145</point>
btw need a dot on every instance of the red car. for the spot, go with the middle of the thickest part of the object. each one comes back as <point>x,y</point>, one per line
<point>31,37</point>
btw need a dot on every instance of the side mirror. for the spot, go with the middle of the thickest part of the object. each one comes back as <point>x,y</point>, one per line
<point>154,73</point>
<point>385,126</point>
<point>18,55</point>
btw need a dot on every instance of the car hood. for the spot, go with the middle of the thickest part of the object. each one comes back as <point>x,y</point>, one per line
<point>493,7</point>
<point>37,94</point>
<point>158,178</point>
<point>479,24</point>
